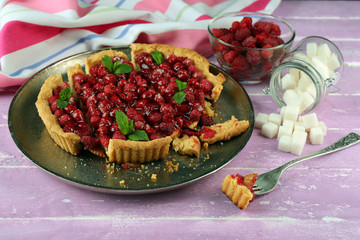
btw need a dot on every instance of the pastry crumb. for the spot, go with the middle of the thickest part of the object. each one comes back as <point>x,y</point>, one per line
<point>154,177</point>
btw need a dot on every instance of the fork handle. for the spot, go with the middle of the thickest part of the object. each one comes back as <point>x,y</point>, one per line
<point>345,142</point>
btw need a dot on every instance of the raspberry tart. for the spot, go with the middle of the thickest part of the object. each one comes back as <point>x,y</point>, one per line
<point>136,108</point>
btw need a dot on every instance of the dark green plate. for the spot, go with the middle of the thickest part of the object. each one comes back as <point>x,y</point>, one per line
<point>90,172</point>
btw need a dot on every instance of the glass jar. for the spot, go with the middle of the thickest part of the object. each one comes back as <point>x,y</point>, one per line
<point>304,78</point>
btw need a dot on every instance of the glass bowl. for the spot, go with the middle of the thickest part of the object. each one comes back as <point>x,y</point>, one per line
<point>250,50</point>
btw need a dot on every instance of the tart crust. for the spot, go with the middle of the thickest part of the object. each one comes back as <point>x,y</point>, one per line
<point>224,131</point>
<point>201,63</point>
<point>70,142</point>
<point>240,195</point>
<point>187,145</point>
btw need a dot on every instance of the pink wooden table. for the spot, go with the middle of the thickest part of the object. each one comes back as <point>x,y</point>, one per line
<point>317,199</point>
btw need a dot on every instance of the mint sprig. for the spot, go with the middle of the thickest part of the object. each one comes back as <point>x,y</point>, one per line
<point>115,67</point>
<point>126,127</point>
<point>64,96</point>
<point>179,97</point>
<point>158,57</point>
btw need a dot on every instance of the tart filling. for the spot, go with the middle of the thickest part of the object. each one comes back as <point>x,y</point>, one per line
<point>136,109</point>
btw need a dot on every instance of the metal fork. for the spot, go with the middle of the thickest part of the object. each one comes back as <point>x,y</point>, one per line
<point>266,182</point>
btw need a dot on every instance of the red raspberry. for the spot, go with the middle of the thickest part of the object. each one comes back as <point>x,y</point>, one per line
<point>253,56</point>
<point>249,42</point>
<point>228,38</point>
<point>242,33</point>
<point>206,120</point>
<point>104,139</point>
<point>246,21</point>
<point>90,142</point>
<point>229,56</point>
<point>271,41</point>
<point>267,53</point>
<point>235,25</point>
<point>275,29</point>
<point>260,39</point>
<point>240,63</point>
<point>118,135</point>
<point>262,27</point>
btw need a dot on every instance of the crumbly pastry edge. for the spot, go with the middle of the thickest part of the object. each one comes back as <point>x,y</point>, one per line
<point>200,62</point>
<point>70,142</point>
<point>240,195</point>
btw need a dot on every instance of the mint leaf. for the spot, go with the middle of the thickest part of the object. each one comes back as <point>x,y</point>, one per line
<point>123,123</point>
<point>139,135</point>
<point>108,63</point>
<point>61,103</point>
<point>123,68</point>
<point>179,97</point>
<point>181,85</point>
<point>157,56</point>
<point>64,96</point>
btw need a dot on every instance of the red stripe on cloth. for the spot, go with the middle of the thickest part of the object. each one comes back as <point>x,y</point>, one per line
<point>195,39</point>
<point>152,6</point>
<point>203,17</point>
<point>7,82</point>
<point>17,35</point>
<point>210,3</point>
<point>256,6</point>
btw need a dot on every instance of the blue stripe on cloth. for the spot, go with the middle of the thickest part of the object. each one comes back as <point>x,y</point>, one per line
<point>120,3</point>
<point>81,40</point>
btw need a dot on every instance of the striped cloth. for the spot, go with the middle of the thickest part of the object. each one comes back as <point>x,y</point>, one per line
<point>36,33</point>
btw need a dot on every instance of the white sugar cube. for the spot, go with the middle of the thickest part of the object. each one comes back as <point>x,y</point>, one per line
<point>298,142</point>
<point>285,143</point>
<point>291,113</point>
<point>316,135</point>
<point>269,130</point>
<point>275,118</point>
<point>288,81</point>
<point>323,127</point>
<point>299,126</point>
<point>312,90</point>
<point>282,112</point>
<point>289,123</point>
<point>320,66</point>
<point>304,82</point>
<point>284,131</point>
<point>291,97</point>
<point>301,56</point>
<point>311,49</point>
<point>260,120</point>
<point>295,72</point>
<point>323,50</point>
<point>333,62</point>
<point>310,120</point>
<point>306,99</point>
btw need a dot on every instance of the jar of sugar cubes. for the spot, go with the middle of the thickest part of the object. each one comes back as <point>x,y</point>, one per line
<point>304,78</point>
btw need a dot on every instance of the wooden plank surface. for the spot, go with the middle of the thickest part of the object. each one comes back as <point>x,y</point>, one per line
<point>317,199</point>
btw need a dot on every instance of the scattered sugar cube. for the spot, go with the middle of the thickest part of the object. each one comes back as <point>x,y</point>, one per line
<point>323,50</point>
<point>282,112</point>
<point>260,120</point>
<point>323,127</point>
<point>306,99</point>
<point>291,113</point>
<point>304,82</point>
<point>333,62</point>
<point>275,118</point>
<point>269,130</point>
<point>288,81</point>
<point>285,143</point>
<point>310,120</point>
<point>316,135</point>
<point>288,123</point>
<point>311,49</point>
<point>299,127</point>
<point>291,97</point>
<point>298,142</point>
<point>284,131</point>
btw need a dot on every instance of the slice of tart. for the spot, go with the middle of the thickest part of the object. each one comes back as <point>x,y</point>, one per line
<point>239,189</point>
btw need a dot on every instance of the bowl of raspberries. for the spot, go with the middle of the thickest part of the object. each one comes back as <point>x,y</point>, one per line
<point>249,45</point>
